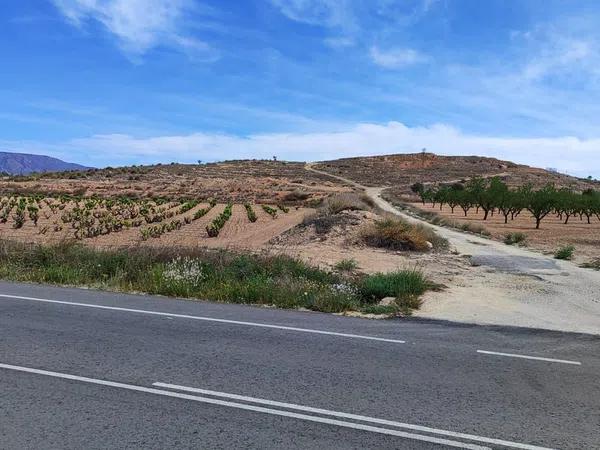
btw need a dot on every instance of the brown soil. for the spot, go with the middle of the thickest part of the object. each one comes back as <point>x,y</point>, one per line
<point>553,233</point>
<point>402,170</point>
<point>343,242</point>
<point>238,232</point>
<point>237,181</point>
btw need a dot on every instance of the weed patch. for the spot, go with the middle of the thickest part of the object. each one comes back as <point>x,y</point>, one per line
<point>515,238</point>
<point>565,253</point>
<point>208,274</point>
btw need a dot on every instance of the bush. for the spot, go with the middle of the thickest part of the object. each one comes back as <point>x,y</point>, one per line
<point>593,264</point>
<point>296,196</point>
<point>250,212</point>
<point>565,252</point>
<point>399,284</point>
<point>345,202</point>
<point>270,211</point>
<point>398,234</point>
<point>515,238</point>
<point>346,265</point>
<point>219,222</point>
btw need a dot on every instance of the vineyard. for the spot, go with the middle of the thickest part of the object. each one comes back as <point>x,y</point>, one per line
<point>125,221</point>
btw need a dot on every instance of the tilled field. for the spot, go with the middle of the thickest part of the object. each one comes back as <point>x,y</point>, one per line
<point>108,224</point>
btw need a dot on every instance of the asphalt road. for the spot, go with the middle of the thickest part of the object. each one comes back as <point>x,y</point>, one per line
<point>86,369</point>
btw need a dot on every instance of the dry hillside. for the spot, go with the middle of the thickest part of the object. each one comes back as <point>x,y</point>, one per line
<point>237,181</point>
<point>402,170</point>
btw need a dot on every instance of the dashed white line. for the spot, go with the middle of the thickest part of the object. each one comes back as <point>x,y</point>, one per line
<point>243,406</point>
<point>327,412</point>
<point>538,358</point>
<point>207,319</point>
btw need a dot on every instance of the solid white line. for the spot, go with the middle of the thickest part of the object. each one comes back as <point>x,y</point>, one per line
<point>512,355</point>
<point>212,401</point>
<point>328,412</point>
<point>208,319</point>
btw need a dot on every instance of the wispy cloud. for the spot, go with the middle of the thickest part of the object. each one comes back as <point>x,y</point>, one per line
<point>569,154</point>
<point>396,58</point>
<point>139,25</point>
<point>330,13</point>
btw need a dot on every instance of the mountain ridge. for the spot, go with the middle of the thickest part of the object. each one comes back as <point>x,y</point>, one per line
<point>25,163</point>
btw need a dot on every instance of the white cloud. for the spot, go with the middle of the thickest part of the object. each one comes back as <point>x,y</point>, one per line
<point>138,25</point>
<point>568,154</point>
<point>396,58</point>
<point>331,13</point>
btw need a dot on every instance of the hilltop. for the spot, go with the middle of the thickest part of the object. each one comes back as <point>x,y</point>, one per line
<point>400,171</point>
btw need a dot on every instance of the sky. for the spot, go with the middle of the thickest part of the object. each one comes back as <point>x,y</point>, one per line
<point>114,82</point>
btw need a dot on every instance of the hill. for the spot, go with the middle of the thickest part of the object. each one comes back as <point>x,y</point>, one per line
<point>23,164</point>
<point>402,170</point>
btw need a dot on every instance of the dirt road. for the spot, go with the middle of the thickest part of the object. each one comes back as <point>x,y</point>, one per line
<point>508,285</point>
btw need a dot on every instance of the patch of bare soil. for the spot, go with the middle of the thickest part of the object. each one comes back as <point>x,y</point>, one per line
<point>326,247</point>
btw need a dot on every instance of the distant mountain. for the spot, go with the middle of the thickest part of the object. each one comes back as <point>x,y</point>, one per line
<point>23,164</point>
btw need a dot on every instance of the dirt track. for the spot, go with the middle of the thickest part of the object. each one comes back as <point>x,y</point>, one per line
<point>510,286</point>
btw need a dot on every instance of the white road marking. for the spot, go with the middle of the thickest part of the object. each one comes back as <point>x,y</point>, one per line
<point>512,355</point>
<point>276,412</point>
<point>207,319</point>
<point>339,414</point>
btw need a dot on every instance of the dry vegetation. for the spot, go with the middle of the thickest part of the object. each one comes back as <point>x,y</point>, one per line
<point>255,181</point>
<point>399,172</point>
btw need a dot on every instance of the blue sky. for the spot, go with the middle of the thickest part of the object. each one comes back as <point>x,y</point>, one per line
<point>110,82</point>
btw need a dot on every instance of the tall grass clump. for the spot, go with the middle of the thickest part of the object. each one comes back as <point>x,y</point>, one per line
<point>406,286</point>
<point>398,234</point>
<point>346,202</point>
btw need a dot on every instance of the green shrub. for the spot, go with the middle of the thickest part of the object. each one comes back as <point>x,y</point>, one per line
<point>250,212</point>
<point>565,252</point>
<point>270,211</point>
<point>214,228</point>
<point>399,284</point>
<point>515,238</point>
<point>346,265</point>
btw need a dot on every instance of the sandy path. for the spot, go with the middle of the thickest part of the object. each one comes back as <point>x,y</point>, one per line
<point>517,286</point>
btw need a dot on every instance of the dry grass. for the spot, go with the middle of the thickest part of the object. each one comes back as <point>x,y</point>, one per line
<point>347,202</point>
<point>397,234</point>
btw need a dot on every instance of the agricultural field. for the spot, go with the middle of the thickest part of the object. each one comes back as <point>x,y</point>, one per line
<point>255,181</point>
<point>544,218</point>
<point>123,222</point>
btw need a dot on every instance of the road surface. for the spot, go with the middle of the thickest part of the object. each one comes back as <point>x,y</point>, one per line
<point>87,369</point>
